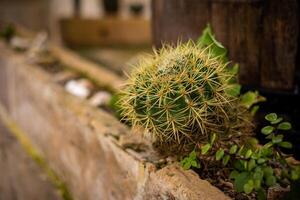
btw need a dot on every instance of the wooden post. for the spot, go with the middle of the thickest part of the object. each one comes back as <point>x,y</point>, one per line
<point>261,35</point>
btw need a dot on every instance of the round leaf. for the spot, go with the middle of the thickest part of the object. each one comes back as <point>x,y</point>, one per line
<point>193,155</point>
<point>240,181</point>
<point>213,138</point>
<point>287,145</point>
<point>277,120</point>
<point>277,139</point>
<point>248,187</point>
<point>270,181</point>
<point>257,184</point>
<point>248,153</point>
<point>258,175</point>
<point>271,117</point>
<point>268,171</point>
<point>233,174</point>
<point>219,154</point>
<point>251,164</point>
<point>205,149</point>
<point>226,159</point>
<point>267,130</point>
<point>284,126</point>
<point>233,149</point>
<point>187,165</point>
<point>261,160</point>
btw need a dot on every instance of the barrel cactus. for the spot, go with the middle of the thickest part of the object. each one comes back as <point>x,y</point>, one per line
<point>180,95</point>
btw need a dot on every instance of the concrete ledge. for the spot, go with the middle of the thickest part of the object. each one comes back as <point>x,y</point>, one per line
<point>84,145</point>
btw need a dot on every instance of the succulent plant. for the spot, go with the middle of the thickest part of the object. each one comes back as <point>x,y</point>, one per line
<point>181,94</point>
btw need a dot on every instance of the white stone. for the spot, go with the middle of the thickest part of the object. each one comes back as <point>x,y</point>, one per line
<point>20,43</point>
<point>100,98</point>
<point>80,88</point>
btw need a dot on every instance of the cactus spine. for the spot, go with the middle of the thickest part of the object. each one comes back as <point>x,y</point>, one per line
<point>179,94</point>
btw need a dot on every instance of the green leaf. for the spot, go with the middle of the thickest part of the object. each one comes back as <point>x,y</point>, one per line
<point>234,90</point>
<point>267,150</point>
<point>238,165</point>
<point>261,160</point>
<point>187,165</point>
<point>226,159</point>
<point>245,164</point>
<point>233,174</point>
<point>256,155</point>
<point>207,39</point>
<point>287,145</point>
<point>248,187</point>
<point>213,138</point>
<point>267,130</point>
<point>261,194</point>
<point>234,69</point>
<point>251,164</point>
<point>258,174</point>
<point>277,120</point>
<point>193,155</point>
<point>254,110</point>
<point>195,164</point>
<point>250,98</point>
<point>252,141</point>
<point>271,117</point>
<point>248,153</point>
<point>284,126</point>
<point>277,139</point>
<point>240,181</point>
<point>205,149</point>
<point>295,173</point>
<point>190,161</point>
<point>240,150</point>
<point>233,149</point>
<point>219,154</point>
<point>257,184</point>
<point>268,171</point>
<point>270,181</point>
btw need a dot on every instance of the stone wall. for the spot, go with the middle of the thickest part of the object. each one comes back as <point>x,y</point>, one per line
<point>87,147</point>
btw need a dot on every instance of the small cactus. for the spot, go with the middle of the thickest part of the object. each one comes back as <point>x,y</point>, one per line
<point>180,94</point>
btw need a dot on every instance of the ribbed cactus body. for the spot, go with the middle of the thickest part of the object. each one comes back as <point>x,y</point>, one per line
<point>179,93</point>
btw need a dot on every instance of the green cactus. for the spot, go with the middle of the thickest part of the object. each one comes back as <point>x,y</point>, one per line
<point>179,94</point>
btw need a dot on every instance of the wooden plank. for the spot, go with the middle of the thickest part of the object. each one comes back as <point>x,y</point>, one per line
<point>108,31</point>
<point>280,39</point>
<point>179,20</point>
<point>237,35</point>
<point>220,21</point>
<point>250,73</point>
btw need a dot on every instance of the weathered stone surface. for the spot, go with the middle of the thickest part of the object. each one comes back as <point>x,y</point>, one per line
<point>21,178</point>
<point>86,146</point>
<point>173,183</point>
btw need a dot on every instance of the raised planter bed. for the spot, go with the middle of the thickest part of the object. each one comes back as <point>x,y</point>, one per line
<point>97,157</point>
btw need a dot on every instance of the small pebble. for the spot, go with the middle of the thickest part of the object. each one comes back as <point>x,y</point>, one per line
<point>100,98</point>
<point>80,88</point>
<point>170,159</point>
<point>20,43</point>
